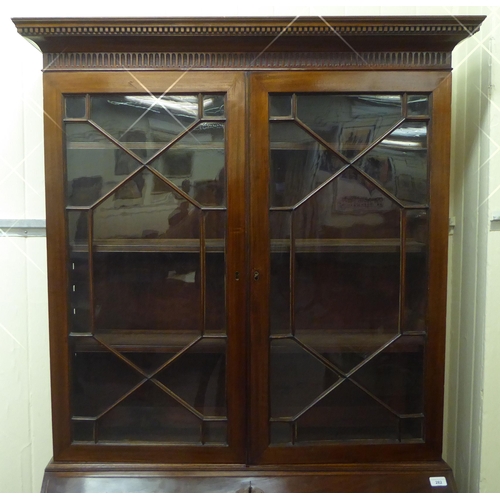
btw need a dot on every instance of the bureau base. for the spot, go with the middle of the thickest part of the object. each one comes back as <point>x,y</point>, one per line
<point>133,478</point>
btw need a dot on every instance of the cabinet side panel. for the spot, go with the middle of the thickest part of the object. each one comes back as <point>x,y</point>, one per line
<point>57,256</point>
<point>438,251</point>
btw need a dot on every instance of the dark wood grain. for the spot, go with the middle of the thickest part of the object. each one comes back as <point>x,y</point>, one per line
<point>438,257</point>
<point>391,478</point>
<point>55,87</point>
<point>436,33</point>
<point>268,82</point>
<point>248,59</point>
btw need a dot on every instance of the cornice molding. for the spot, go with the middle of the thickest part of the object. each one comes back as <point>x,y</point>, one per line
<point>430,34</point>
<point>268,60</point>
<point>225,28</point>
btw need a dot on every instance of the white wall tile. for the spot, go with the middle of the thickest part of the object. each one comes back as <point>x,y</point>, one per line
<point>14,386</point>
<point>33,133</point>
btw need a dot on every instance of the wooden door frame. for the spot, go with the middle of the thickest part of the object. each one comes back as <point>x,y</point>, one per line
<point>56,85</point>
<point>437,83</point>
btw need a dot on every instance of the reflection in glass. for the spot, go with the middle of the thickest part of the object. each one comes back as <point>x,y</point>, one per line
<point>339,292</point>
<point>412,428</point>
<point>144,121</point>
<point>83,430</point>
<point>297,378</point>
<point>345,350</point>
<point>280,105</point>
<point>79,279</point>
<point>399,163</point>
<point>148,351</point>
<point>75,106</point>
<point>281,432</point>
<point>78,229</point>
<point>198,376</point>
<point>147,291</point>
<point>347,413</point>
<point>213,105</point>
<point>215,279</point>
<point>351,207</point>
<point>149,414</point>
<point>207,133</point>
<point>349,123</point>
<point>215,271</point>
<point>298,164</point>
<point>137,211</point>
<point>280,272</point>
<point>215,432</point>
<point>99,377</point>
<point>418,105</point>
<point>417,231</point>
<point>94,165</point>
<point>347,260</point>
<point>395,375</point>
<point>196,163</point>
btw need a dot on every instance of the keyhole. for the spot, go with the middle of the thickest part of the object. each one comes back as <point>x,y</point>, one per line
<point>256,275</point>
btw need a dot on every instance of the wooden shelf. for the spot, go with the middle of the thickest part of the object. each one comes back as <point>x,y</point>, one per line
<point>322,341</point>
<point>330,245</point>
<point>333,341</point>
<point>191,245</point>
<point>187,245</point>
<point>148,341</point>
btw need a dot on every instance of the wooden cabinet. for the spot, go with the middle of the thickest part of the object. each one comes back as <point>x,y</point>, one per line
<point>247,238</point>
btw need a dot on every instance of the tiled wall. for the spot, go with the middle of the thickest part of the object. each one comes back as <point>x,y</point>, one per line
<point>474,315</point>
<point>25,442</point>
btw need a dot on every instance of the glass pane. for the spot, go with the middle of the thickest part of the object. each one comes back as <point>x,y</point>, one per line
<point>412,428</point>
<point>347,294</point>
<point>83,430</point>
<point>78,229</point>
<point>75,107</point>
<point>147,291</point>
<point>280,105</point>
<point>280,272</point>
<point>136,285</point>
<point>196,164</point>
<point>395,375</point>
<point>137,211</point>
<point>298,164</point>
<point>148,350</point>
<point>99,377</point>
<point>344,349</point>
<point>215,266</point>
<point>208,134</point>
<point>350,123</point>
<point>215,432</point>
<point>94,165</point>
<point>347,263</point>
<point>418,105</point>
<point>399,163</point>
<point>347,413</point>
<point>78,286</point>
<point>143,122</point>
<point>281,432</point>
<point>213,105</point>
<point>149,414</point>
<point>417,280</point>
<point>349,207</point>
<point>198,376</point>
<point>297,378</point>
<point>215,293</point>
